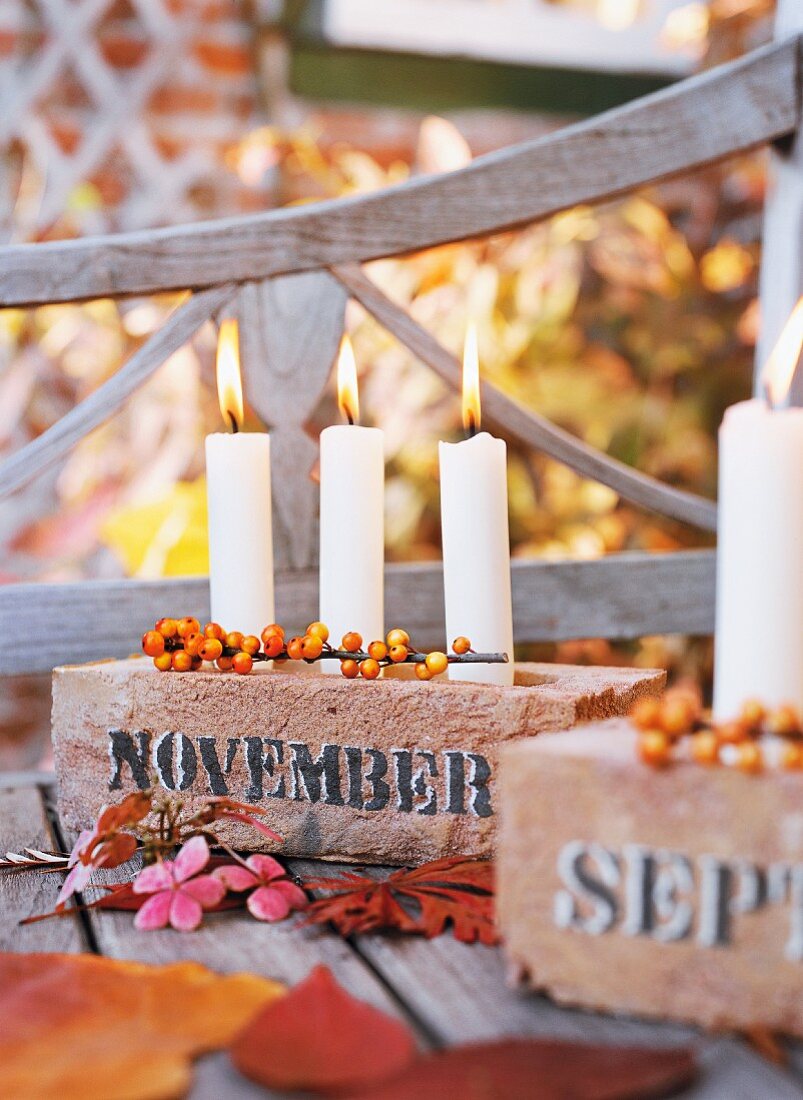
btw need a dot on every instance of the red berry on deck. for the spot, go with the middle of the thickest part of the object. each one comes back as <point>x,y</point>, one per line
<point>461,645</point>
<point>349,668</point>
<point>422,672</point>
<point>250,644</point>
<point>224,664</point>
<point>378,650</point>
<point>272,628</point>
<point>164,662</point>
<point>294,648</point>
<point>153,643</point>
<point>211,649</point>
<point>193,643</point>
<point>351,642</point>
<point>188,626</point>
<point>274,644</point>
<point>320,630</point>
<point>397,637</point>
<point>311,647</point>
<point>234,640</point>
<point>214,630</point>
<point>398,653</point>
<point>242,662</point>
<point>181,661</point>
<point>168,628</point>
<point>369,668</point>
<point>436,662</point>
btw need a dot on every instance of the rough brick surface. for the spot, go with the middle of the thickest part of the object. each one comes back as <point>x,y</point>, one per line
<point>388,771</point>
<point>674,893</point>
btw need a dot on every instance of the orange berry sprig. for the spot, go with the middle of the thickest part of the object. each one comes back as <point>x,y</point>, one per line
<point>663,724</point>
<point>180,645</point>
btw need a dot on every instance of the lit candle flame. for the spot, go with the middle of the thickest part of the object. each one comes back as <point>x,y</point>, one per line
<point>779,369</point>
<point>471,382</point>
<point>229,382</point>
<point>348,398</point>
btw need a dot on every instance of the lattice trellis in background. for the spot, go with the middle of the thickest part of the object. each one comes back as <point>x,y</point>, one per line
<point>120,113</point>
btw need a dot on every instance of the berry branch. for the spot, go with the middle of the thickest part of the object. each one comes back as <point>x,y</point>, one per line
<point>180,645</point>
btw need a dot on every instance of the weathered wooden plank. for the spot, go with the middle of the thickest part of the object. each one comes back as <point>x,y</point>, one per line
<point>781,282</point>
<point>290,328</point>
<point>522,424</point>
<point>23,823</point>
<point>619,596</point>
<point>726,110</point>
<point>28,461</point>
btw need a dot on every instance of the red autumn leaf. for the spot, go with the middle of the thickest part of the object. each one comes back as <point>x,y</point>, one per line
<point>322,1039</point>
<point>457,891</point>
<point>532,1069</point>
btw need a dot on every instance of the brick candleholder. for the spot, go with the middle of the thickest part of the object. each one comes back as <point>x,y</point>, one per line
<point>675,893</point>
<point>389,771</point>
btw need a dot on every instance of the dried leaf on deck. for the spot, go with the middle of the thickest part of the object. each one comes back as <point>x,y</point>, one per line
<point>532,1069</point>
<point>75,1026</point>
<point>457,891</point>
<point>318,1038</point>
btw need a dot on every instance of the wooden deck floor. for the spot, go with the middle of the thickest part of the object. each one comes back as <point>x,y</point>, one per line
<point>449,992</point>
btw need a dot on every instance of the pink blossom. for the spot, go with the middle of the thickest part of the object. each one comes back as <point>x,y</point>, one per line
<point>273,896</point>
<point>80,873</point>
<point>179,894</point>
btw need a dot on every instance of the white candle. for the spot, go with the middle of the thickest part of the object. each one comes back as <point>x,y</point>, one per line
<point>352,544</point>
<point>239,507</point>
<point>476,542</point>
<point>759,621</point>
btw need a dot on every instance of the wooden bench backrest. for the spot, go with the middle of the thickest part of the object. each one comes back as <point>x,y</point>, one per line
<point>288,274</point>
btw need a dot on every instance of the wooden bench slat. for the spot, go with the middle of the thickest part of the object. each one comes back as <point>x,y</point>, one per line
<point>721,112</point>
<point>24,823</point>
<point>523,424</point>
<point>618,596</point>
<point>23,465</point>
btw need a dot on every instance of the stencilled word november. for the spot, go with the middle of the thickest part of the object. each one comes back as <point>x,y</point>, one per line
<point>671,897</point>
<point>404,780</point>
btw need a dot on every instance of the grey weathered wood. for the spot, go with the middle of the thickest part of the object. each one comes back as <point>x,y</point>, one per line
<point>619,596</point>
<point>28,461</point>
<point>522,424</point>
<point>724,111</point>
<point>23,823</point>
<point>290,328</point>
<point>781,281</point>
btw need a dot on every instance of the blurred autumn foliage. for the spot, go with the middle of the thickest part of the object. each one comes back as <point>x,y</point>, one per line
<point>631,325</point>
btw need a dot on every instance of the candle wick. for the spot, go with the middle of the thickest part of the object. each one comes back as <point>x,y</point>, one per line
<point>767,393</point>
<point>235,427</point>
<point>471,428</point>
<point>350,419</point>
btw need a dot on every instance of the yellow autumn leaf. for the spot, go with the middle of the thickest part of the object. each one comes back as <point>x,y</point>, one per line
<point>164,537</point>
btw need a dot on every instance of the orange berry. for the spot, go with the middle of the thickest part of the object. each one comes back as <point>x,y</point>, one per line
<point>319,630</point>
<point>242,662</point>
<point>369,668</point>
<point>750,758</point>
<point>214,630</point>
<point>351,642</point>
<point>397,637</point>
<point>784,721</point>
<point>349,668</point>
<point>791,757</point>
<point>295,648</point>
<point>168,628</point>
<point>646,713</point>
<point>422,672</point>
<point>181,661</point>
<point>654,748</point>
<point>753,713</point>
<point>211,649</point>
<point>705,747</point>
<point>311,646</point>
<point>274,644</point>
<point>188,626</point>
<point>250,644</point>
<point>731,733</point>
<point>224,664</point>
<point>378,650</point>
<point>197,663</point>
<point>678,715</point>
<point>273,628</point>
<point>436,662</point>
<point>164,662</point>
<point>193,643</point>
<point>153,643</point>
<point>398,653</point>
<point>233,640</point>
<point>461,645</point>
